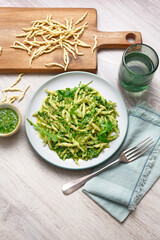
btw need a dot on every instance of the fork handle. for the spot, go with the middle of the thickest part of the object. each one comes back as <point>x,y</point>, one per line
<point>72,186</point>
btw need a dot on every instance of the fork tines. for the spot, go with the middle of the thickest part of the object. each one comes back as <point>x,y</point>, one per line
<point>139,149</point>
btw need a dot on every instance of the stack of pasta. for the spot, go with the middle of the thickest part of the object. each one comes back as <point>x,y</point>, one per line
<point>46,36</point>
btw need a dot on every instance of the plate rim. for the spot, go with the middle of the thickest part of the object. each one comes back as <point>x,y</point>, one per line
<point>51,79</point>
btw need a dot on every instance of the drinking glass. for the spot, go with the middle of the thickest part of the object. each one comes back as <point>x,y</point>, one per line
<point>139,63</point>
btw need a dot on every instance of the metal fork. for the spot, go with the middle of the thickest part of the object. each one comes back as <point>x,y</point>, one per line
<point>126,156</point>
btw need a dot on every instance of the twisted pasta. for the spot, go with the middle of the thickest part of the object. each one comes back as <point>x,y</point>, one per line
<point>77,122</point>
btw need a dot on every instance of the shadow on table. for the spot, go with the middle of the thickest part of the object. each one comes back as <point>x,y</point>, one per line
<point>63,173</point>
<point>132,98</point>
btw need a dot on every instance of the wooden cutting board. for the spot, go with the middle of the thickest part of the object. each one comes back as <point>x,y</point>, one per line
<point>12,20</point>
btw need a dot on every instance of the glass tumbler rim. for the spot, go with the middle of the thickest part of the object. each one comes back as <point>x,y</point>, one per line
<point>141,44</point>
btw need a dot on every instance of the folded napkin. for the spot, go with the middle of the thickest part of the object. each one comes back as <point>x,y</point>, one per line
<point>120,188</point>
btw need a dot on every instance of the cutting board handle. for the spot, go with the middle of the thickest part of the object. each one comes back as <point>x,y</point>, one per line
<point>117,39</point>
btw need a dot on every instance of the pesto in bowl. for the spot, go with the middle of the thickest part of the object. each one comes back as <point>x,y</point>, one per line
<point>10,119</point>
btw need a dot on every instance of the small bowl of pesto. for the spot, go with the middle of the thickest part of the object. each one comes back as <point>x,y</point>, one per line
<point>10,119</point>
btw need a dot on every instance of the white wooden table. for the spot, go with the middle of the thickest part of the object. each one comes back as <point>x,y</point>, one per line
<point>32,206</point>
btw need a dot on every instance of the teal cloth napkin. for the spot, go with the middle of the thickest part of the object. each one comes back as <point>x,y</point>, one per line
<point>120,188</point>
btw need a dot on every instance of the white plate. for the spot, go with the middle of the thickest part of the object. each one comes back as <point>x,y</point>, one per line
<point>72,79</point>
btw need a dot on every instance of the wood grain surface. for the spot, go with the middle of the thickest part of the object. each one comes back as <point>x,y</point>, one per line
<point>12,20</point>
<point>32,206</point>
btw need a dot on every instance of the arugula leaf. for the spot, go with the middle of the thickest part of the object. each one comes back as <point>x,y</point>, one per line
<point>69,92</point>
<point>87,118</point>
<point>99,99</point>
<point>92,153</point>
<point>82,87</point>
<point>49,135</point>
<point>60,97</point>
<point>106,127</point>
<point>73,109</point>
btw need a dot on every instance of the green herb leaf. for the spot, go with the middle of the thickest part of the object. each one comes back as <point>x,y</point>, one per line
<point>106,127</point>
<point>50,136</point>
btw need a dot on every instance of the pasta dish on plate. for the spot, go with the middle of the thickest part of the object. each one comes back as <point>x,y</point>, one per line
<point>77,122</point>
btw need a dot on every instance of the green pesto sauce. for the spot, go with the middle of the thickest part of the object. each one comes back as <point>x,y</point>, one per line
<point>8,120</point>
